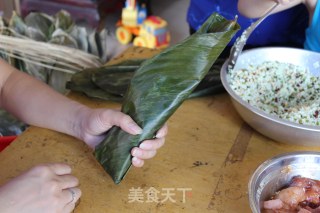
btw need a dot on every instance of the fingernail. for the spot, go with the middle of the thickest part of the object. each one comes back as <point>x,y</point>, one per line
<point>135,159</point>
<point>144,146</point>
<point>137,162</point>
<point>136,152</point>
<point>135,128</point>
<point>159,134</point>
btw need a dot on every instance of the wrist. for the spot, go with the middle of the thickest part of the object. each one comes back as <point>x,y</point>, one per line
<point>81,115</point>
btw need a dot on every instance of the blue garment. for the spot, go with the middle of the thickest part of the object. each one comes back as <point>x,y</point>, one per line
<point>313,32</point>
<point>286,28</point>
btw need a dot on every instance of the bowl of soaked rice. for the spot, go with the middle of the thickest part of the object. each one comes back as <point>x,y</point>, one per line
<point>276,90</point>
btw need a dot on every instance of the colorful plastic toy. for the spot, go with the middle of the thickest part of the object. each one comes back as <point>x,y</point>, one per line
<point>145,31</point>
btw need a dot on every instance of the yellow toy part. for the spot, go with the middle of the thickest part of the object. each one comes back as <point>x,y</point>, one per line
<point>123,35</point>
<point>140,42</point>
<point>129,17</point>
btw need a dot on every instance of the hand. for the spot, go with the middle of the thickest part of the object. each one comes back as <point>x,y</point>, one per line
<point>98,121</point>
<point>43,189</point>
<point>148,148</point>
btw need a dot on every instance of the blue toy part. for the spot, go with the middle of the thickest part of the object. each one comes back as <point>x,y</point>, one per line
<point>142,14</point>
<point>283,28</point>
<point>160,31</point>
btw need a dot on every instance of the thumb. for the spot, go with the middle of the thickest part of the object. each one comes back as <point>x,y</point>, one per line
<point>125,122</point>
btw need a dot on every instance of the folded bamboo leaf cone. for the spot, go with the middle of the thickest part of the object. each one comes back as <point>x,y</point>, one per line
<point>160,86</point>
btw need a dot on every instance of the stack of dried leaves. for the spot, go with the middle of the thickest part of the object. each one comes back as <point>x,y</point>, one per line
<point>50,48</point>
<point>41,35</point>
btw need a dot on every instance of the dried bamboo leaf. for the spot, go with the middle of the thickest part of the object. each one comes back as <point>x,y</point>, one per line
<point>61,37</point>
<point>81,36</point>
<point>46,62</point>
<point>17,24</point>
<point>4,27</point>
<point>93,46</point>
<point>63,20</point>
<point>159,87</point>
<point>10,125</point>
<point>40,22</point>
<point>103,34</point>
<point>35,34</point>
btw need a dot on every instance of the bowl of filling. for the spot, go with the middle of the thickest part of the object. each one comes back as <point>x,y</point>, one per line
<point>277,92</point>
<point>286,183</point>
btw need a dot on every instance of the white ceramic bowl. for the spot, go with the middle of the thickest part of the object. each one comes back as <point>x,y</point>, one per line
<point>269,125</point>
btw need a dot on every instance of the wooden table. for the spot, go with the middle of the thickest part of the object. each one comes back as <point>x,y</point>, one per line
<point>205,165</point>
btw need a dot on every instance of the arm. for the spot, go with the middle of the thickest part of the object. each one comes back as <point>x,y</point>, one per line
<point>52,187</point>
<point>37,104</point>
<point>257,8</point>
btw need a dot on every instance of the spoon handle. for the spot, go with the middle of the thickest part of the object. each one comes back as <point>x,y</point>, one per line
<point>241,41</point>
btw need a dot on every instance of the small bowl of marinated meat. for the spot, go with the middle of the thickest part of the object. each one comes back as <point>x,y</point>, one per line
<point>288,183</point>
<point>276,90</point>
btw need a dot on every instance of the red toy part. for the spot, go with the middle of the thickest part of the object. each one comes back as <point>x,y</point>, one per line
<point>5,141</point>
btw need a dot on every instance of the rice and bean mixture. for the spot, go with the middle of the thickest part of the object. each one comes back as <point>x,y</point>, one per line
<point>282,89</point>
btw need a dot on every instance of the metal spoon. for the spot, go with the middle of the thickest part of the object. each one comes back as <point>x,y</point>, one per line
<point>241,41</point>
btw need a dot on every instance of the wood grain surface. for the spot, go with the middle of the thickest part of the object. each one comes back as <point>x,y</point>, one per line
<point>205,165</point>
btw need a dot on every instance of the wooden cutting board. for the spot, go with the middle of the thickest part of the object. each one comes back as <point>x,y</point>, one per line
<point>205,165</point>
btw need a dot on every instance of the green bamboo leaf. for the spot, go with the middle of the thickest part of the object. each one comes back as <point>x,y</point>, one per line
<point>103,82</point>
<point>214,89</point>
<point>115,79</point>
<point>160,86</point>
<point>113,83</point>
<point>81,82</point>
<point>211,83</point>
